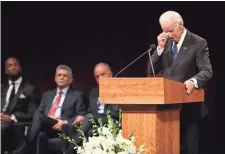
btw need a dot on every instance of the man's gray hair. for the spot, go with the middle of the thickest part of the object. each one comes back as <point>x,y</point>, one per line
<point>65,67</point>
<point>171,15</point>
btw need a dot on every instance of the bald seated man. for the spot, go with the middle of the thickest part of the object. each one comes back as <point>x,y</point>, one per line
<point>184,57</point>
<point>95,108</point>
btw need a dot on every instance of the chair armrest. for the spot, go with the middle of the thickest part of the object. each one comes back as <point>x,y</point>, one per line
<point>24,126</point>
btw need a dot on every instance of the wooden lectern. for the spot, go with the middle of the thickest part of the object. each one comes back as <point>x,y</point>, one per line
<point>150,109</point>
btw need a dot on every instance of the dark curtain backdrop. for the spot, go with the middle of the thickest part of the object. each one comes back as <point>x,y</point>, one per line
<point>80,34</point>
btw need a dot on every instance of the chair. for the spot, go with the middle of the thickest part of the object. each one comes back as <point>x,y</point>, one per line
<point>47,145</point>
<point>19,131</point>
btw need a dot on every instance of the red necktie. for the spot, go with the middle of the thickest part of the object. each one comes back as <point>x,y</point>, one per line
<point>55,105</point>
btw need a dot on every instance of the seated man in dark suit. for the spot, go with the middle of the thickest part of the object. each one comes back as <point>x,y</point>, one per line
<point>59,107</point>
<point>95,108</point>
<point>19,100</point>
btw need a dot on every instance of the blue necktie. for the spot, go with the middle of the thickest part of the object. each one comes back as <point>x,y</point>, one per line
<point>175,51</point>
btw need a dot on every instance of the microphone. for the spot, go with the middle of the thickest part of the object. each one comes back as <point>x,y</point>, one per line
<point>150,59</point>
<point>152,47</point>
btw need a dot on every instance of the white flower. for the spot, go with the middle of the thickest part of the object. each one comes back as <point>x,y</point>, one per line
<point>123,153</point>
<point>106,131</point>
<point>98,151</point>
<point>109,141</point>
<point>95,141</point>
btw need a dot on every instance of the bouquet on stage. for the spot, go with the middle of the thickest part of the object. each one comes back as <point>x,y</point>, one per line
<point>108,139</point>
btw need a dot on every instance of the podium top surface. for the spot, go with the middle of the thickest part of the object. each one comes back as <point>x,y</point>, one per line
<point>145,91</point>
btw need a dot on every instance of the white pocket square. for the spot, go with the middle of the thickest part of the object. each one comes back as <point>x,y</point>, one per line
<point>22,96</point>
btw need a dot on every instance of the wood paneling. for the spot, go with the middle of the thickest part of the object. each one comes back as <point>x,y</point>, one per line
<point>150,109</point>
<point>159,129</point>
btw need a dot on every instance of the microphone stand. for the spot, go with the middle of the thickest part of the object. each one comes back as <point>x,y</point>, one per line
<point>150,59</point>
<point>135,60</point>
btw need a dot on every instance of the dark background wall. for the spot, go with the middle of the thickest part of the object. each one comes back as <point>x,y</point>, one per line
<point>45,34</point>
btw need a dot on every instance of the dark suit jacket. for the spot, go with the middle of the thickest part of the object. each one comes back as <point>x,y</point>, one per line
<point>73,104</point>
<point>22,108</point>
<point>192,61</point>
<point>91,99</point>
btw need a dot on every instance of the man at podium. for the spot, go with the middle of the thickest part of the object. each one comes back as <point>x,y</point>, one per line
<point>183,56</point>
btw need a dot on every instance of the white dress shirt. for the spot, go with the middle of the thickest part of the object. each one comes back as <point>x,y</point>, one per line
<point>17,85</point>
<point>100,107</point>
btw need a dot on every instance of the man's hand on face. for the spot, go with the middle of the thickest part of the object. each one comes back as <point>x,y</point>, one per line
<point>162,39</point>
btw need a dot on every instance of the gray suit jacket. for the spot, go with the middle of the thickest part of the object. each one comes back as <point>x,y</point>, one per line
<point>192,61</point>
<point>73,104</point>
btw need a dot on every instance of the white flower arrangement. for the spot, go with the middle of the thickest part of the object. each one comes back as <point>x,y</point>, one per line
<point>107,139</point>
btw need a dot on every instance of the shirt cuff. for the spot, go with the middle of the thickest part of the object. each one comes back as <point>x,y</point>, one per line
<point>159,51</point>
<point>14,118</point>
<point>195,82</point>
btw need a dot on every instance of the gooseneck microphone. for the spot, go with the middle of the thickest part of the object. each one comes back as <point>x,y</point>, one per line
<point>150,60</point>
<point>152,47</point>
